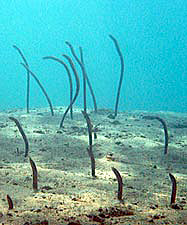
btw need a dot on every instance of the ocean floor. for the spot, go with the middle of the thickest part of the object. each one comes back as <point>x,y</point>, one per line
<point>67,192</point>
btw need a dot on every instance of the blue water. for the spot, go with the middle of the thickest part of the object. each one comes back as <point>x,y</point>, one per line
<point>152,36</point>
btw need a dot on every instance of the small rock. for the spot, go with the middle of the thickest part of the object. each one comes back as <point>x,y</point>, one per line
<point>38,131</point>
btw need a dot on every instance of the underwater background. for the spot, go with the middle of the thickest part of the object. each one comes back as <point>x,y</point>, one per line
<point>152,36</point>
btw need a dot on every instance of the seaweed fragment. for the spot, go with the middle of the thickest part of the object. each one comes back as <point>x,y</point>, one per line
<point>41,86</point>
<point>69,76</point>
<point>121,73</point>
<point>165,130</point>
<point>10,202</point>
<point>120,183</point>
<point>22,134</point>
<point>89,149</point>
<point>106,213</point>
<point>34,174</point>
<point>28,76</point>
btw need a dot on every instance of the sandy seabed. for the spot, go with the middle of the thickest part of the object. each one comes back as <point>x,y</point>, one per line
<point>67,192</point>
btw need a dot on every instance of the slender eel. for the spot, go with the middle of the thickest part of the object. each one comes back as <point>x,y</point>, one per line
<point>77,88</point>
<point>10,202</point>
<point>69,76</point>
<point>95,129</point>
<point>121,74</point>
<point>22,134</point>
<point>120,183</point>
<point>165,130</point>
<point>90,152</point>
<point>83,72</point>
<point>88,82</point>
<point>34,174</point>
<point>85,77</point>
<point>42,88</point>
<point>28,76</point>
<point>174,188</point>
<point>81,55</point>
